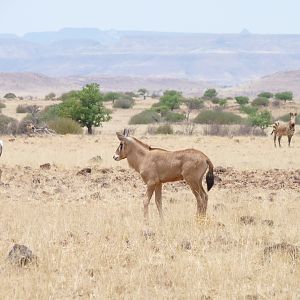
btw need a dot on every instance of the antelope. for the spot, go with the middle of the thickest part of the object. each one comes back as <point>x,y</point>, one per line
<point>288,129</point>
<point>157,166</point>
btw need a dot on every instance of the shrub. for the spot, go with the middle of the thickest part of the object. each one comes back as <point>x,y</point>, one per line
<point>210,93</point>
<point>248,109</point>
<point>22,109</point>
<point>123,103</point>
<point>223,102</point>
<point>8,125</point>
<point>286,118</point>
<point>194,103</point>
<point>260,101</point>
<point>10,96</point>
<point>265,95</point>
<point>111,96</point>
<point>215,100</point>
<point>50,112</point>
<point>174,117</point>
<point>217,117</point>
<point>172,99</point>
<point>261,119</point>
<point>145,117</point>
<point>231,130</point>
<point>2,105</point>
<point>50,96</point>
<point>164,129</point>
<point>242,100</point>
<point>162,109</point>
<point>65,126</point>
<point>276,103</point>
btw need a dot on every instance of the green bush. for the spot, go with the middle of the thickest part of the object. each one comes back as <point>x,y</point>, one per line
<point>50,112</point>
<point>8,125</point>
<point>145,117</point>
<point>10,96</point>
<point>242,100</point>
<point>260,101</point>
<point>265,95</point>
<point>210,93</point>
<point>174,117</point>
<point>261,119</point>
<point>2,105</point>
<point>194,103</point>
<point>123,103</point>
<point>215,100</point>
<point>217,117</point>
<point>65,126</point>
<point>164,129</point>
<point>159,108</point>
<point>248,109</point>
<point>286,118</point>
<point>50,96</point>
<point>172,99</point>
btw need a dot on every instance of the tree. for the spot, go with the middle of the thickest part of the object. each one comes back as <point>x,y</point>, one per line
<point>210,93</point>
<point>171,99</point>
<point>10,96</point>
<point>261,119</point>
<point>85,107</point>
<point>50,96</point>
<point>284,96</point>
<point>242,100</point>
<point>260,101</point>
<point>192,104</point>
<point>111,96</point>
<point>265,95</point>
<point>143,92</point>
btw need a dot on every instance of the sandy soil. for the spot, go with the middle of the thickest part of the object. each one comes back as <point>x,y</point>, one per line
<point>88,234</point>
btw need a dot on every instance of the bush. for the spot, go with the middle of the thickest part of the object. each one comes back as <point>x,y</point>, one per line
<point>215,100</point>
<point>265,95</point>
<point>123,103</point>
<point>260,101</point>
<point>50,96</point>
<point>65,126</point>
<point>164,129</point>
<point>248,109</point>
<point>286,118</point>
<point>50,112</point>
<point>231,130</point>
<point>261,119</point>
<point>217,117</point>
<point>8,125</point>
<point>10,96</point>
<point>242,100</point>
<point>194,103</point>
<point>161,109</point>
<point>210,93</point>
<point>2,105</point>
<point>145,117</point>
<point>171,99</point>
<point>22,109</point>
<point>174,117</point>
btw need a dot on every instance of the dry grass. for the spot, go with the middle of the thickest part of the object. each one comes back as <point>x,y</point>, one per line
<point>88,234</point>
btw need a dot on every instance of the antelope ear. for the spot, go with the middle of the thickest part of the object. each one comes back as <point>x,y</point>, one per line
<point>291,114</point>
<point>295,114</point>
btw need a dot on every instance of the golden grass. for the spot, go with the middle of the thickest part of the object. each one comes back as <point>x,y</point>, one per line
<point>88,231</point>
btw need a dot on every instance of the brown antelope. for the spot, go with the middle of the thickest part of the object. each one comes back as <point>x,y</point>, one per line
<point>288,129</point>
<point>157,166</point>
<point>1,147</point>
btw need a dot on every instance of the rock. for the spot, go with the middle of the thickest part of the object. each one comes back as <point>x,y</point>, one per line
<point>291,250</point>
<point>186,245</point>
<point>85,171</point>
<point>267,222</point>
<point>96,159</point>
<point>46,166</point>
<point>21,255</point>
<point>247,220</point>
<point>148,234</point>
<point>220,170</point>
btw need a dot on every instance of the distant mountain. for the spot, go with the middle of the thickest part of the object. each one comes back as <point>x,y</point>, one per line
<point>225,59</point>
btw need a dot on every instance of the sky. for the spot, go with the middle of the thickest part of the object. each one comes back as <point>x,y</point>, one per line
<point>210,16</point>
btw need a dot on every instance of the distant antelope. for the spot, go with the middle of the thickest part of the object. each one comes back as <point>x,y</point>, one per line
<point>288,129</point>
<point>157,166</point>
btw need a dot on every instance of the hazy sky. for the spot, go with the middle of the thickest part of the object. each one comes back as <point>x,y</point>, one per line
<point>224,16</point>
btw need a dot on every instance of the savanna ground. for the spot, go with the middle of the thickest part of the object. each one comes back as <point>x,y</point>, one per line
<point>88,232</point>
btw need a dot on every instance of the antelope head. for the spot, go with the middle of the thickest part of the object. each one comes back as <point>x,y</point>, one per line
<point>293,119</point>
<point>123,149</point>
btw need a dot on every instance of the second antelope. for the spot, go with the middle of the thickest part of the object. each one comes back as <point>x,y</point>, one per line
<point>288,129</point>
<point>157,166</point>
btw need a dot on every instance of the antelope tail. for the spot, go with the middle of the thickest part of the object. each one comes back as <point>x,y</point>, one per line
<point>210,178</point>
